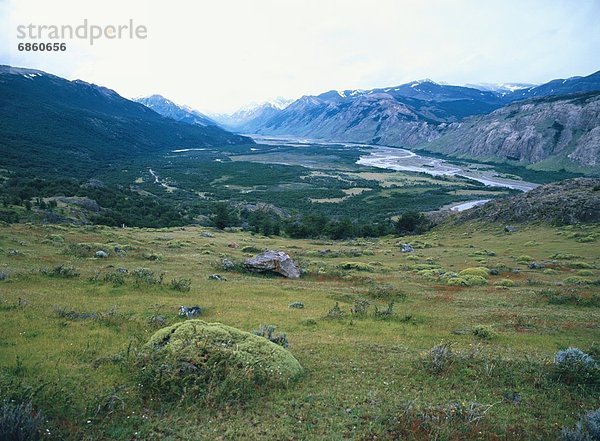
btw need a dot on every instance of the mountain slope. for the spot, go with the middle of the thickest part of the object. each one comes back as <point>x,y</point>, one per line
<point>53,125</point>
<point>590,83</point>
<point>169,109</point>
<point>248,119</point>
<point>403,115</point>
<point>550,132</point>
<point>570,201</point>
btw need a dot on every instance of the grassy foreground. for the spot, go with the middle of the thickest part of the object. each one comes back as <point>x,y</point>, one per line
<point>67,333</point>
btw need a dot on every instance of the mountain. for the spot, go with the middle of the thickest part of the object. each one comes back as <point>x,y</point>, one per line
<point>552,132</point>
<point>169,109</point>
<point>248,119</point>
<point>53,125</point>
<point>590,83</point>
<point>402,115</point>
<point>501,88</point>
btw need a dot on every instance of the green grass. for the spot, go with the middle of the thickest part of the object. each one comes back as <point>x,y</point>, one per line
<point>67,343</point>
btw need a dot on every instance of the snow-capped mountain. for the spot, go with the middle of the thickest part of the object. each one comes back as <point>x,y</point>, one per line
<point>252,115</point>
<point>169,109</point>
<point>501,88</point>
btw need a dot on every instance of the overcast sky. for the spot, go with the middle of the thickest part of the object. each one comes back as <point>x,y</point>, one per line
<point>219,55</point>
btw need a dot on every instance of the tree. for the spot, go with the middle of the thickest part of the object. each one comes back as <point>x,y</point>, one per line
<point>412,222</point>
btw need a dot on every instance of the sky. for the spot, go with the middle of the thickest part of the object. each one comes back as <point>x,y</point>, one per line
<point>219,55</point>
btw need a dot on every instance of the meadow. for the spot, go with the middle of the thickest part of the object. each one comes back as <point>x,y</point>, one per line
<point>71,324</point>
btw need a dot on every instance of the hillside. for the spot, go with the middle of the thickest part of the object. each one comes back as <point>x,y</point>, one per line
<point>571,201</point>
<point>550,133</point>
<point>49,125</point>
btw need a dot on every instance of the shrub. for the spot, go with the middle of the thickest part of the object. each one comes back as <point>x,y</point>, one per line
<point>525,259</point>
<point>563,256</point>
<point>384,313</point>
<point>475,280</point>
<point>211,362</point>
<point>479,271</point>
<point>457,281</point>
<point>360,308</point>
<point>64,271</point>
<point>268,332</point>
<point>439,357</point>
<point>386,292</point>
<point>19,422</point>
<point>251,249</point>
<point>587,428</point>
<point>335,312</point>
<point>152,256</point>
<point>573,366</point>
<point>146,276</point>
<point>484,332</point>
<point>581,265</point>
<point>576,280</point>
<point>505,282</point>
<point>182,285</point>
<point>585,273</point>
<point>117,279</point>
<point>358,266</point>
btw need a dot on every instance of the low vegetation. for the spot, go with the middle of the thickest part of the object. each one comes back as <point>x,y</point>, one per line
<point>449,341</point>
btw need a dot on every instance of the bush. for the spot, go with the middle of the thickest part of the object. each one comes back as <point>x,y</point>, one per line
<point>587,428</point>
<point>182,285</point>
<point>268,332</point>
<point>484,332</point>
<point>358,266</point>
<point>581,265</point>
<point>211,362</point>
<point>146,276</point>
<point>505,282</point>
<point>19,422</point>
<point>335,312</point>
<point>384,313</point>
<point>439,357</point>
<point>573,366</point>
<point>360,308</point>
<point>64,271</point>
<point>525,259</point>
<point>576,280</point>
<point>117,279</point>
<point>479,271</point>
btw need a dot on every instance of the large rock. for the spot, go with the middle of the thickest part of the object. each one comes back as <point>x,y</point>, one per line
<point>275,262</point>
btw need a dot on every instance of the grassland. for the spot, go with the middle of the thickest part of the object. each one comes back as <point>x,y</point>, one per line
<point>66,342</point>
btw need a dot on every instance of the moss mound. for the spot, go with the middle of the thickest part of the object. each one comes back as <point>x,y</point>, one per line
<point>214,361</point>
<point>478,271</point>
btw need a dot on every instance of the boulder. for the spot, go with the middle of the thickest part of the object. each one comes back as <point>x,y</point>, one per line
<point>227,265</point>
<point>101,254</point>
<point>407,248</point>
<point>536,266</point>
<point>217,277</point>
<point>274,262</point>
<point>510,229</point>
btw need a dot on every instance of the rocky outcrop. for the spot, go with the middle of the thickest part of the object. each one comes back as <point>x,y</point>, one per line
<point>554,132</point>
<point>273,262</point>
<point>566,202</point>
